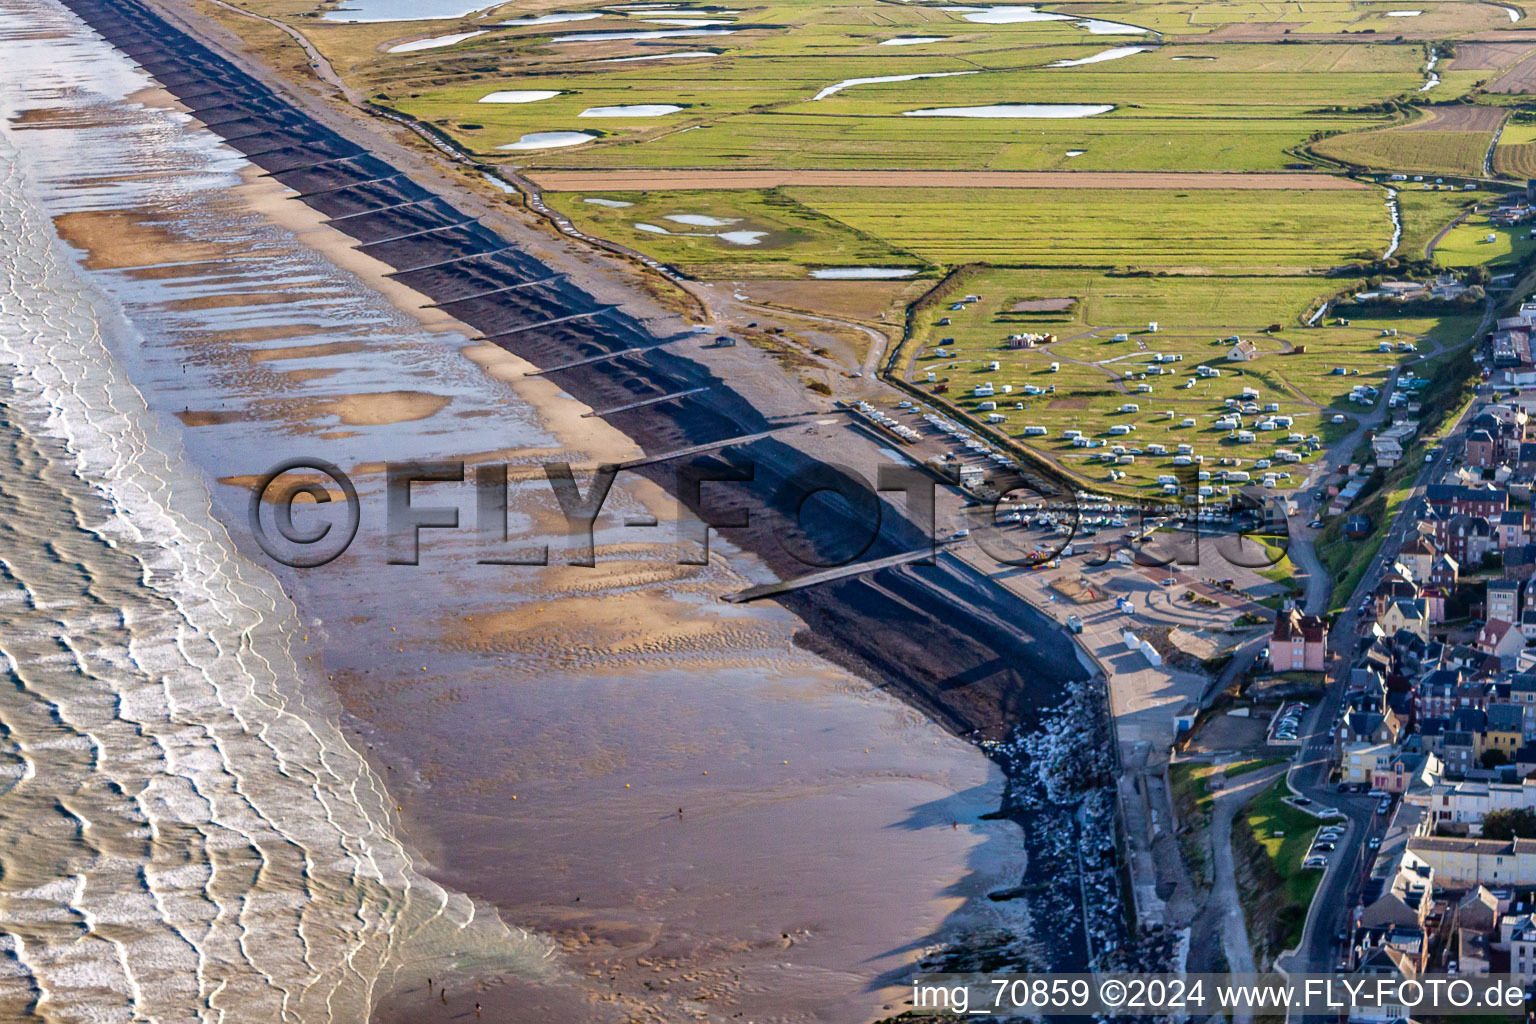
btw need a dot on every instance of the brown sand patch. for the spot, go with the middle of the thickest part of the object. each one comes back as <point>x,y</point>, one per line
<point>559,413</point>
<point>1068,403</point>
<point>301,376</point>
<point>249,482</point>
<point>1042,306</point>
<point>333,348</point>
<point>213,418</point>
<point>610,627</point>
<point>177,271</point>
<point>114,239</point>
<point>380,408</point>
<point>234,300</point>
<point>663,180</point>
<point>56,117</point>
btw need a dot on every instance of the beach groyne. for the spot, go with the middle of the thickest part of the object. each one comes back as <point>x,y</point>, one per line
<point>970,655</point>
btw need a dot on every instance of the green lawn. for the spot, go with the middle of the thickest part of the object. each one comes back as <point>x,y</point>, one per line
<point>1285,834</point>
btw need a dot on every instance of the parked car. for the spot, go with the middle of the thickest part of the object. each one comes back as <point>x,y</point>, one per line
<point>1301,801</point>
<point>1315,862</point>
<point>1375,843</point>
<point>1323,847</point>
<point>1380,794</point>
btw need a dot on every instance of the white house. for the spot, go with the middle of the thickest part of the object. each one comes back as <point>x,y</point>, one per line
<point>1243,351</point>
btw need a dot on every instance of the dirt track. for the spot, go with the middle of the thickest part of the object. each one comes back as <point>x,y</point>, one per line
<point>636,180</point>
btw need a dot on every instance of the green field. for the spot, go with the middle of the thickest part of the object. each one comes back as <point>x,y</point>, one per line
<point>1170,86</point>
<point>1468,244</point>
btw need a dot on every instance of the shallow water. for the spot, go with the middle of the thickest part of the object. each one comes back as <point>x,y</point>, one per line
<point>662,56</point>
<point>435,42</point>
<point>632,110</point>
<point>552,19</point>
<point>1017,15</point>
<point>860,273</point>
<point>404,10</point>
<point>1116,53</point>
<point>676,33</point>
<point>519,95</point>
<point>615,204</point>
<point>1020,110</point>
<point>185,832</point>
<point>849,83</point>
<point>912,40</point>
<point>549,140</point>
<point>513,758</point>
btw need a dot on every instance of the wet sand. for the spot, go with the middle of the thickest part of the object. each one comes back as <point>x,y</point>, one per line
<point>503,706</point>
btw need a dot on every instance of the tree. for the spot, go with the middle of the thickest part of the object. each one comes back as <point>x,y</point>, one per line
<point>1520,822</point>
<point>1494,758</point>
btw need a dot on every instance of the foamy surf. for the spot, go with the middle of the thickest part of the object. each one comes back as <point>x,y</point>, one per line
<point>185,834</point>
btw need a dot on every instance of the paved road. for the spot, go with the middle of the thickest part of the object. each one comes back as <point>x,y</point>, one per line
<point>1340,889</point>
<point>1234,931</point>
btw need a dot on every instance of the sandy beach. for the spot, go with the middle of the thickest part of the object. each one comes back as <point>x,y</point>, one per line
<point>701,813</point>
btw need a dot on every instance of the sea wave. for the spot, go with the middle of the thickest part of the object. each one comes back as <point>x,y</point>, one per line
<point>185,832</point>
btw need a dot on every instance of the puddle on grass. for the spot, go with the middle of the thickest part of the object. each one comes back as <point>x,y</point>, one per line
<point>861,273</point>
<point>1076,152</point>
<point>1114,53</point>
<point>742,237</point>
<point>699,220</point>
<point>850,82</point>
<point>679,54</point>
<point>632,110</point>
<point>549,140</point>
<point>551,19</point>
<point>1014,15</point>
<point>912,40</point>
<point>612,204</point>
<point>519,95</point>
<point>661,33</point>
<point>434,42</point>
<point>1022,110</point>
<point>404,10</point>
